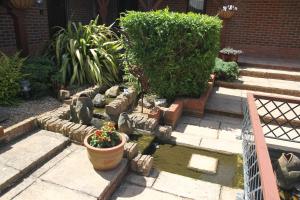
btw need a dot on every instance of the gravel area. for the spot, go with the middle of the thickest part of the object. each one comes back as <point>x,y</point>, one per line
<point>28,109</point>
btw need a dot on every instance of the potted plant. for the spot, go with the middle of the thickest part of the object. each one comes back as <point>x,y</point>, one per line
<point>229,54</point>
<point>227,11</point>
<point>105,147</point>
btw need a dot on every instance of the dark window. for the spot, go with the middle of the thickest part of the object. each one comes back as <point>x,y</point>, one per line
<point>197,6</point>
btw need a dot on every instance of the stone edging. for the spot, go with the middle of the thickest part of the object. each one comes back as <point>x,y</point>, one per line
<point>19,129</point>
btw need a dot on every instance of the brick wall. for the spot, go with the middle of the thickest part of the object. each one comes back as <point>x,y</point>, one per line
<point>7,32</point>
<point>173,5</point>
<point>81,10</point>
<point>37,30</point>
<point>263,27</point>
<point>260,27</point>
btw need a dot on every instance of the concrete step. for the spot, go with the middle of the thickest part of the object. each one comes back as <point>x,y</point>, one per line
<point>269,73</point>
<point>270,63</point>
<point>229,102</point>
<point>226,101</point>
<point>69,175</point>
<point>267,85</point>
<point>19,158</point>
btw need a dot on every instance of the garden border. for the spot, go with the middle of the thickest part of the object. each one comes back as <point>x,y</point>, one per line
<point>190,106</point>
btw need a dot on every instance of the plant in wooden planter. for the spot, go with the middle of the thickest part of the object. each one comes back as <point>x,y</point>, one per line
<point>229,54</point>
<point>227,11</point>
<point>105,147</point>
<point>21,4</point>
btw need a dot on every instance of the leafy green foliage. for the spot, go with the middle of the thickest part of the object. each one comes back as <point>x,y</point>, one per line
<point>39,72</point>
<point>131,80</point>
<point>177,51</point>
<point>10,76</point>
<point>106,137</point>
<point>88,54</point>
<point>227,71</point>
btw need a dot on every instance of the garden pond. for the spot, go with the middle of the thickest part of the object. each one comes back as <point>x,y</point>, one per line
<point>174,159</point>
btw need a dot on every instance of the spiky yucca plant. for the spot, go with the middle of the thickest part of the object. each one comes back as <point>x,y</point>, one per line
<point>88,54</point>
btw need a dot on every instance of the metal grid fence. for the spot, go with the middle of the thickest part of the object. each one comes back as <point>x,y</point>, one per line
<point>280,117</point>
<point>252,182</point>
<point>259,179</point>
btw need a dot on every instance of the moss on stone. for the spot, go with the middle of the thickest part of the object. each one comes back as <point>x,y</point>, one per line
<point>143,140</point>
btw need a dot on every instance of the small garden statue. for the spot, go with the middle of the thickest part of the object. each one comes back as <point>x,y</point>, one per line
<point>288,171</point>
<point>82,109</point>
<point>125,124</point>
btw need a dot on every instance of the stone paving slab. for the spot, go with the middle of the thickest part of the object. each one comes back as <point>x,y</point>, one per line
<point>224,100</point>
<point>185,140</point>
<point>134,192</point>
<point>77,173</point>
<point>204,164</point>
<point>264,85</point>
<point>18,188</point>
<point>187,187</point>
<point>24,155</point>
<point>48,191</point>
<point>222,146</point>
<point>7,176</point>
<point>283,145</point>
<point>229,131</point>
<point>30,149</point>
<point>228,193</point>
<point>223,119</point>
<point>22,185</point>
<point>144,181</point>
<point>197,131</point>
<point>189,120</point>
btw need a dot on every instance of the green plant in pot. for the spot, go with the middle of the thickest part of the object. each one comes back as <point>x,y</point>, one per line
<point>226,71</point>
<point>229,54</point>
<point>105,147</point>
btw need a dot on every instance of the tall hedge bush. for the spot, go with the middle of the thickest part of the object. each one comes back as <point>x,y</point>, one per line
<point>177,51</point>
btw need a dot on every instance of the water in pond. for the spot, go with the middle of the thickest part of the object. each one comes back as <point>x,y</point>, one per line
<point>143,140</point>
<point>175,159</point>
<point>101,111</point>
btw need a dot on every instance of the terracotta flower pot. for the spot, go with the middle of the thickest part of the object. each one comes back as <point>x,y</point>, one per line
<point>105,158</point>
<point>229,57</point>
<point>226,14</point>
<point>21,4</point>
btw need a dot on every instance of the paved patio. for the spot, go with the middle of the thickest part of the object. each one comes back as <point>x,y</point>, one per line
<point>213,132</point>
<point>69,175</point>
<point>166,185</point>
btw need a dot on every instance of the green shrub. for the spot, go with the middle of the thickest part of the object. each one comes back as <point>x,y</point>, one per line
<point>39,72</point>
<point>10,76</point>
<point>131,80</point>
<point>87,54</point>
<point>227,71</point>
<point>177,51</point>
